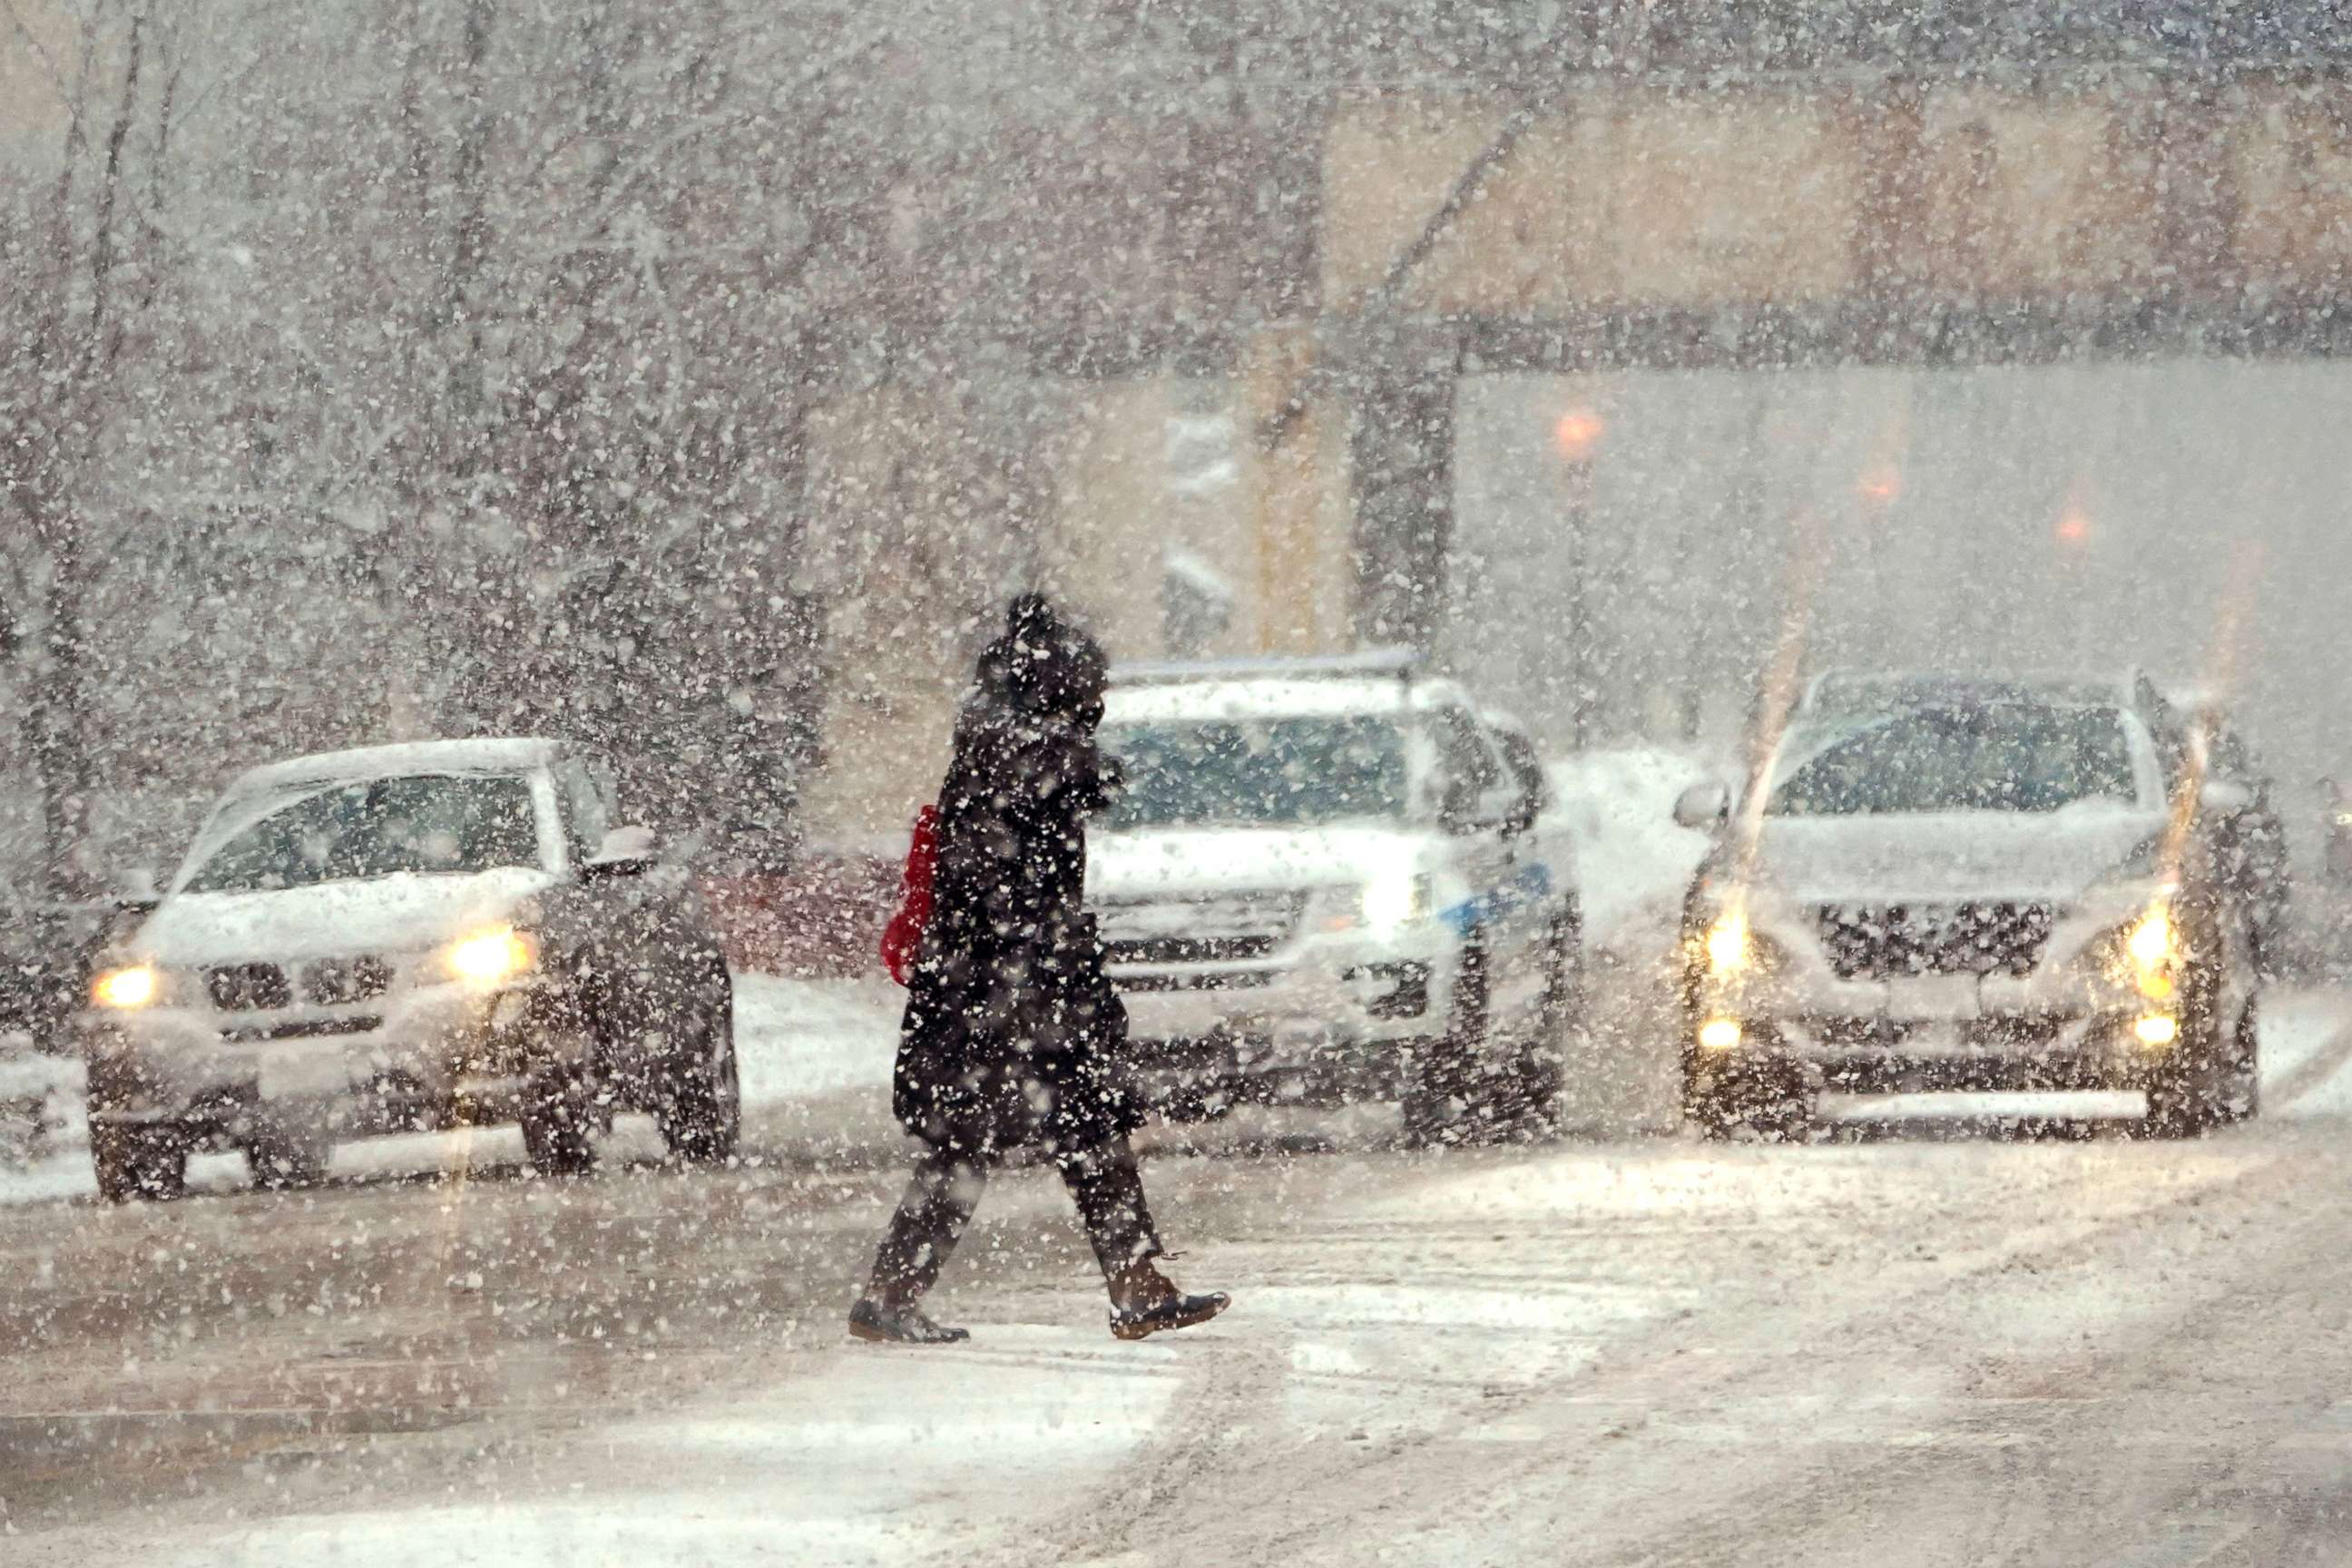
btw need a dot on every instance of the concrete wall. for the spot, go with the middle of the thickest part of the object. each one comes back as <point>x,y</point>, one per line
<point>1634,194</point>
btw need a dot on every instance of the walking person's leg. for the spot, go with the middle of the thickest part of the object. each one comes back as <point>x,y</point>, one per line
<point>1108,1190</point>
<point>918,1241</point>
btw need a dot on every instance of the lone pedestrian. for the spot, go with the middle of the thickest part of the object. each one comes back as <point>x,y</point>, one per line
<point>1013,1038</point>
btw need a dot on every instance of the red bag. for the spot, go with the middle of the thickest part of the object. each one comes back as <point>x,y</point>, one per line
<point>902,938</point>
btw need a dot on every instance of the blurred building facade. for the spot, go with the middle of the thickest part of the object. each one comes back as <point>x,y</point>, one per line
<point>1255,329</point>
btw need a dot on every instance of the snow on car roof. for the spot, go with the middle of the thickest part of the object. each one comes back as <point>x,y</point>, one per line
<point>1265,699</point>
<point>490,756</point>
<point>1848,694</point>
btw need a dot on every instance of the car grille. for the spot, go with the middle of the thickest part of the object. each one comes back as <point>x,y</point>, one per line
<point>322,983</point>
<point>1241,980</point>
<point>1216,929</point>
<point>304,1029</point>
<point>248,987</point>
<point>1889,941</point>
<point>332,982</point>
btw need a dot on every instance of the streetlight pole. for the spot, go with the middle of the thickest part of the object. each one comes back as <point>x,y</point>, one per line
<point>1576,437</point>
<point>1879,489</point>
<point>2073,536</point>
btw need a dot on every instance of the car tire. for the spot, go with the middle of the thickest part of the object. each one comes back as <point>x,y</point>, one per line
<point>560,1122</point>
<point>1443,1090</point>
<point>2209,1087</point>
<point>139,1164</point>
<point>1559,1015</point>
<point>2178,1108</point>
<point>286,1162</point>
<point>1763,1101</point>
<point>1564,1000</point>
<point>2243,1096</point>
<point>700,1107</point>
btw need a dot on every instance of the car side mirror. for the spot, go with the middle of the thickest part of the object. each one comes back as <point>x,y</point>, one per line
<point>134,893</point>
<point>1702,805</point>
<point>626,852</point>
<point>2224,797</point>
<point>1525,809</point>
<point>1457,805</point>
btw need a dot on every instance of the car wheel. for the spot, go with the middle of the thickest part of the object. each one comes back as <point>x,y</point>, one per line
<point>1543,1069</point>
<point>2242,1098</point>
<point>1441,1082</point>
<point>282,1161</point>
<point>1763,1101</point>
<point>2208,1084</point>
<point>2188,1097</point>
<point>149,1164</point>
<point>1564,999</point>
<point>700,1108</point>
<point>559,1120</point>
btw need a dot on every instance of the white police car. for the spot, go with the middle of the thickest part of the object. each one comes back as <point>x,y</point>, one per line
<point>1320,883</point>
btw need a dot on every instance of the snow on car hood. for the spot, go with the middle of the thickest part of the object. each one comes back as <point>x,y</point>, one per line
<point>1963,855</point>
<point>1140,862</point>
<point>384,914</point>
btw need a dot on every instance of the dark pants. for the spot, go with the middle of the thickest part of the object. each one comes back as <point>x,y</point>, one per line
<point>946,1189</point>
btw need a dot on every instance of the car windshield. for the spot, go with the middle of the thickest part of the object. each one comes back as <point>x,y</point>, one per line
<point>1994,757</point>
<point>1271,772</point>
<point>427,823</point>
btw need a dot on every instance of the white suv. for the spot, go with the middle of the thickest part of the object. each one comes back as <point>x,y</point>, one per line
<point>1941,882</point>
<point>1319,884</point>
<point>410,936</point>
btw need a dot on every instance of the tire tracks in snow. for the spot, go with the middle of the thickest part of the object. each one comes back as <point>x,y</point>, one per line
<point>1217,1404</point>
<point>2021,1496</point>
<point>1233,1482</point>
<point>1662,1387</point>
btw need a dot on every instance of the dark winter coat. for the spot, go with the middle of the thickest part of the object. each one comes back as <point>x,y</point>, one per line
<point>1013,1037</point>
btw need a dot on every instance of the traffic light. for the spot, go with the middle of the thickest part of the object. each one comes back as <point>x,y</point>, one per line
<point>1577,434</point>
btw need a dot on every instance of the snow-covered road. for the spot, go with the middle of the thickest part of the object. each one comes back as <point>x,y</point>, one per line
<point>1885,1350</point>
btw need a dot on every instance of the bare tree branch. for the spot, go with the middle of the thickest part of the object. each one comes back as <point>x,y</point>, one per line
<point>52,74</point>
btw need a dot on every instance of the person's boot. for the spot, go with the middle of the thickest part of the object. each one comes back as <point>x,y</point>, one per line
<point>879,1319</point>
<point>1143,1303</point>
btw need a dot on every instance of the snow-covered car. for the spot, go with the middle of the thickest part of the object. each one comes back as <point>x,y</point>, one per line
<point>1318,884</point>
<point>1974,884</point>
<point>410,936</point>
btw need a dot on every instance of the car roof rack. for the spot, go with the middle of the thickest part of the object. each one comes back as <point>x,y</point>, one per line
<point>1370,664</point>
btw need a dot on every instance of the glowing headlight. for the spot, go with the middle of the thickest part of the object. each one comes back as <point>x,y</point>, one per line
<point>491,956</point>
<point>1391,901</point>
<point>125,988</point>
<point>1728,947</point>
<point>2150,943</point>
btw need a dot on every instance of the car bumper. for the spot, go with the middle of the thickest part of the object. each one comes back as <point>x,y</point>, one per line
<point>1879,1055</point>
<point>1334,1026</point>
<point>426,1058</point>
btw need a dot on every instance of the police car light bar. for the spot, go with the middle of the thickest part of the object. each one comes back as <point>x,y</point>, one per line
<point>1392,663</point>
